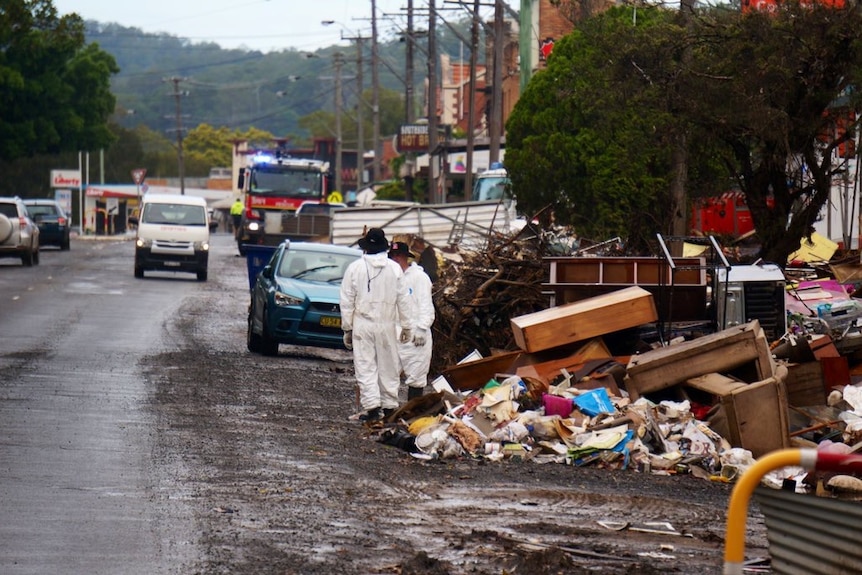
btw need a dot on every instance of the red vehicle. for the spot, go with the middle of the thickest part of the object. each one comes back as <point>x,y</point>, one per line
<point>726,214</point>
<point>274,185</point>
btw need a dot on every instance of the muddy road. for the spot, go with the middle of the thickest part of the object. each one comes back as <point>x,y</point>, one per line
<point>251,465</point>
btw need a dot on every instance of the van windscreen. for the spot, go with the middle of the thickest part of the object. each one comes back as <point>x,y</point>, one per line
<point>174,214</point>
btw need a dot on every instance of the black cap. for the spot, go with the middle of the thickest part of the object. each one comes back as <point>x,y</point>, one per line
<point>399,249</point>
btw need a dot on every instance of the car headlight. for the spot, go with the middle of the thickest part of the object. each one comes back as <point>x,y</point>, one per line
<point>253,226</point>
<point>202,246</point>
<point>143,243</point>
<point>285,299</point>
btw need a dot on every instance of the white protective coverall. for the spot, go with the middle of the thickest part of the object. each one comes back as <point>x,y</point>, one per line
<point>416,359</point>
<point>373,304</point>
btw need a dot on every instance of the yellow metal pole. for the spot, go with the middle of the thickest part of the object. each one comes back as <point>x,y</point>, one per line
<point>734,539</point>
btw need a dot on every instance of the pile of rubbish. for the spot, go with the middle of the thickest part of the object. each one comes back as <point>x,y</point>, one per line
<point>522,420</point>
<point>549,366</point>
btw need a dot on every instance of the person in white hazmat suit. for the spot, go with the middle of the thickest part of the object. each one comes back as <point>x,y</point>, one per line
<point>415,354</point>
<point>374,303</point>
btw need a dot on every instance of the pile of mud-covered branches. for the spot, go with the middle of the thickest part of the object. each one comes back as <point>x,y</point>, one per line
<point>478,291</point>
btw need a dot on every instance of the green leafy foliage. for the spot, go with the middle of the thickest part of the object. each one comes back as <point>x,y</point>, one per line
<point>54,89</point>
<point>588,137</point>
<point>734,99</point>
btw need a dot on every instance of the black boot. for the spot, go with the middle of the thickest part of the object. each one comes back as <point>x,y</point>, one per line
<point>414,392</point>
<point>371,415</point>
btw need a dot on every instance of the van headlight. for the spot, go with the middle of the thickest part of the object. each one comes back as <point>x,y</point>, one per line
<point>143,243</point>
<point>253,226</point>
<point>285,299</point>
<point>202,246</point>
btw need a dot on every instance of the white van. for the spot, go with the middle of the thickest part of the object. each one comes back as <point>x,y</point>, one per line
<point>173,234</point>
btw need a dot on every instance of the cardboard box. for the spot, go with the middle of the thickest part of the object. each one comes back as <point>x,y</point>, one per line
<point>749,415</point>
<point>585,319</point>
<point>741,351</point>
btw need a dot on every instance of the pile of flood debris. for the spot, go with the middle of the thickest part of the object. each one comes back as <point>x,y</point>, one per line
<point>519,380</point>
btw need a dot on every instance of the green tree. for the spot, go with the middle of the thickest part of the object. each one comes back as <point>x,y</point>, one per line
<point>754,95</point>
<point>209,145</point>
<point>54,89</point>
<point>769,87</point>
<point>589,136</point>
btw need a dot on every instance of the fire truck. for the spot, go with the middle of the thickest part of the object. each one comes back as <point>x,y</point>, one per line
<point>274,185</point>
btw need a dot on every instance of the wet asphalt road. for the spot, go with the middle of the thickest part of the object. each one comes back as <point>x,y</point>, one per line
<point>79,493</point>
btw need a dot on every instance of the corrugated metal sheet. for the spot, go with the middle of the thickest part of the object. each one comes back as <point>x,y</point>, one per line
<point>810,535</point>
<point>464,222</point>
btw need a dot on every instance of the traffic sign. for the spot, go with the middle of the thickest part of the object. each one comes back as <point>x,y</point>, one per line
<point>138,175</point>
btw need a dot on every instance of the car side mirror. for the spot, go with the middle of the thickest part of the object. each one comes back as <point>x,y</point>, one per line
<point>266,272</point>
<point>213,225</point>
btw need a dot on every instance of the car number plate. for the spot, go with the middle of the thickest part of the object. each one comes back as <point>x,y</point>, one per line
<point>172,264</point>
<point>330,321</point>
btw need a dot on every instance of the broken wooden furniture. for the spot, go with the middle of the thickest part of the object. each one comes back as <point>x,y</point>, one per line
<point>581,320</point>
<point>731,370</point>
<point>680,290</point>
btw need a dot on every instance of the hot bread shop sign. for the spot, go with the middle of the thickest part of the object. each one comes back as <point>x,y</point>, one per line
<point>65,179</point>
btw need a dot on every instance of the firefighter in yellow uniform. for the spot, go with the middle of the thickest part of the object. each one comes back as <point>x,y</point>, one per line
<point>236,216</point>
<point>334,197</point>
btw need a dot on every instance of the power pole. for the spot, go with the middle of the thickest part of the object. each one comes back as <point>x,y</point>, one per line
<point>408,73</point>
<point>339,60</point>
<point>495,131</point>
<point>471,113</point>
<point>178,94</point>
<point>432,102</point>
<point>360,139</point>
<point>408,101</point>
<point>375,93</point>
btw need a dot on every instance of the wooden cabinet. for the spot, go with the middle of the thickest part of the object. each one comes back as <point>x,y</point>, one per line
<point>680,294</point>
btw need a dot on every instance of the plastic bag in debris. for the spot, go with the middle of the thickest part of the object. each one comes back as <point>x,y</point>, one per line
<point>512,432</point>
<point>436,442</point>
<point>674,409</point>
<point>594,402</point>
<point>540,426</point>
<point>734,462</point>
<point>421,423</point>
<point>853,395</point>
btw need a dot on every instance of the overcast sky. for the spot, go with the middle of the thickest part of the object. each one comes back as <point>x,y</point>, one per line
<point>264,25</point>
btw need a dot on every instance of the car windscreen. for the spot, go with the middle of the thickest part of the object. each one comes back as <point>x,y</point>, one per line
<point>37,210</point>
<point>315,266</point>
<point>175,214</point>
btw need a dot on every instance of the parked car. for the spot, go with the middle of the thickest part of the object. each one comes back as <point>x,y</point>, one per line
<point>295,297</point>
<point>54,224</point>
<point>19,234</point>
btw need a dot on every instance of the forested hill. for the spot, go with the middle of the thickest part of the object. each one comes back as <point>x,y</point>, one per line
<point>239,89</point>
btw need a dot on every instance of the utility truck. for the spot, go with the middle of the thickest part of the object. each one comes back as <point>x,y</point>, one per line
<point>492,184</point>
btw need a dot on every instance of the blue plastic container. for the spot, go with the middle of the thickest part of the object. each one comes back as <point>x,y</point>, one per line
<point>256,257</point>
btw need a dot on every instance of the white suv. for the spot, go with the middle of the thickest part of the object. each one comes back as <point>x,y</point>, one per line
<point>19,234</point>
